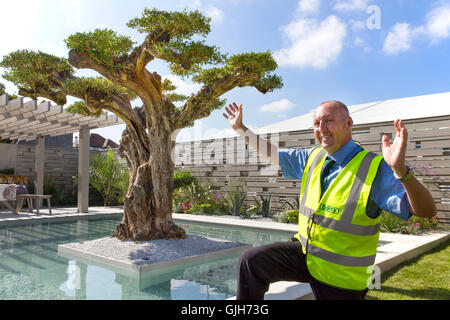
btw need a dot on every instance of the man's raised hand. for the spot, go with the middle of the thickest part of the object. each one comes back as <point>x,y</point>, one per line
<point>394,154</point>
<point>234,116</point>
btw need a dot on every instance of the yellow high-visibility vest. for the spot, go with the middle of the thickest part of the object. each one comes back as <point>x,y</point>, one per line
<point>339,239</point>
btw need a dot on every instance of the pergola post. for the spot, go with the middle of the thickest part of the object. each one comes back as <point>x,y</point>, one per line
<point>39,164</point>
<point>83,170</point>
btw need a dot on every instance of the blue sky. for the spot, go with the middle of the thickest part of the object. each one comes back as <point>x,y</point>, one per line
<point>355,51</point>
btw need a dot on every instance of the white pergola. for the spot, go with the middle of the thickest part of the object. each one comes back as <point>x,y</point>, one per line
<point>32,121</point>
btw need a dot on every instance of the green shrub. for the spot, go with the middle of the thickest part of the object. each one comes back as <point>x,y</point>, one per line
<point>183,179</point>
<point>235,198</point>
<point>7,171</point>
<point>414,225</point>
<point>110,177</point>
<point>59,197</point>
<point>290,216</point>
<point>202,208</point>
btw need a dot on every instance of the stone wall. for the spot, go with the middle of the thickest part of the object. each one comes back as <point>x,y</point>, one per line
<point>61,164</point>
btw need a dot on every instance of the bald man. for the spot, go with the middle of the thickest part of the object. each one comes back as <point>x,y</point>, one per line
<point>344,189</point>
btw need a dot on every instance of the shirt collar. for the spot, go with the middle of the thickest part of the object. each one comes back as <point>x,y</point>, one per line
<point>345,153</point>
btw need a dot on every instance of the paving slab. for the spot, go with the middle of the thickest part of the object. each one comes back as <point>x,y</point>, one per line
<point>59,214</point>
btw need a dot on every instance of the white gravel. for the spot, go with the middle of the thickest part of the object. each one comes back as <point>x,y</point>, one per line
<point>150,252</point>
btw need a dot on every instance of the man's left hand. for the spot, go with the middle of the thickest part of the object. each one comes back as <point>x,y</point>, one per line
<point>394,154</point>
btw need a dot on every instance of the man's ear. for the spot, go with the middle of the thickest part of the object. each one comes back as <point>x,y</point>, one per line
<point>350,122</point>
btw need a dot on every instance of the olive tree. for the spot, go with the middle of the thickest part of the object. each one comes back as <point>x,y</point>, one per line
<point>178,38</point>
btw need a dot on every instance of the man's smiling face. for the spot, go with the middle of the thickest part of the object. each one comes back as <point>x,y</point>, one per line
<point>332,126</point>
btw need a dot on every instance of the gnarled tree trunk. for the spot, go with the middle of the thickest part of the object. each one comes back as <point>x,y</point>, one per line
<point>148,202</point>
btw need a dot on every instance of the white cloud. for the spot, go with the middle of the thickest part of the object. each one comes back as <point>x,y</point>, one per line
<point>311,6</point>
<point>438,23</point>
<point>313,43</point>
<point>398,39</point>
<point>215,14</point>
<point>350,5</point>
<point>436,28</point>
<point>277,106</point>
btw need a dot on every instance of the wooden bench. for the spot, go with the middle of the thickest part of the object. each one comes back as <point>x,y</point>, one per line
<point>29,198</point>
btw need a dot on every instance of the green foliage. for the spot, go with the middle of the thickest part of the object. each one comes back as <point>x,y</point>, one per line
<point>187,57</point>
<point>217,104</point>
<point>289,216</point>
<point>203,208</point>
<point>262,207</point>
<point>262,63</point>
<point>57,193</point>
<point>109,176</point>
<point>294,205</point>
<point>80,107</point>
<point>195,198</point>
<point>414,225</point>
<point>208,76</point>
<point>8,171</point>
<point>175,25</point>
<point>167,85</point>
<point>167,88</point>
<point>269,83</point>
<point>96,86</point>
<point>175,97</point>
<point>29,69</point>
<point>235,198</point>
<point>103,45</point>
<point>183,179</point>
<point>172,32</point>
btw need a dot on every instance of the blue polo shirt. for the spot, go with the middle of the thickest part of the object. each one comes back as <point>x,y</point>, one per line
<point>387,192</point>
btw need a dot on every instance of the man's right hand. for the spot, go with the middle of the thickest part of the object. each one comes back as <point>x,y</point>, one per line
<point>234,116</point>
<point>267,150</point>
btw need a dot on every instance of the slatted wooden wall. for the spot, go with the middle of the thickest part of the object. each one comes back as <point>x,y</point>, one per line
<point>211,161</point>
<point>60,165</point>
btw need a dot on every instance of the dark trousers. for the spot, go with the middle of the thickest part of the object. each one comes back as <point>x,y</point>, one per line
<point>282,261</point>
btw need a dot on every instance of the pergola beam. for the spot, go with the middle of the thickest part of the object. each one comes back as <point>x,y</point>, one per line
<point>19,120</point>
<point>29,120</point>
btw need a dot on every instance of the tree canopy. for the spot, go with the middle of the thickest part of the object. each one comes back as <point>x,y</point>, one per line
<point>175,37</point>
<point>179,39</point>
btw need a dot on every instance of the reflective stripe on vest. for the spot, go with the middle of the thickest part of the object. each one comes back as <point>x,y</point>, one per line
<point>338,258</point>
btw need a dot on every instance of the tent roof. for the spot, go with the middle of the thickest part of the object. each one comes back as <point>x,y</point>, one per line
<point>28,120</point>
<point>432,105</point>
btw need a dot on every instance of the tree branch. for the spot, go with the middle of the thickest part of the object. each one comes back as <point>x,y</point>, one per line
<point>198,106</point>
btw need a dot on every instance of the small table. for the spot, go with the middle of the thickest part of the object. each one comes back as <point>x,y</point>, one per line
<point>29,198</point>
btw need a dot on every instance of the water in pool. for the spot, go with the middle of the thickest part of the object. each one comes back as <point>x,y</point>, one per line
<point>30,267</point>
